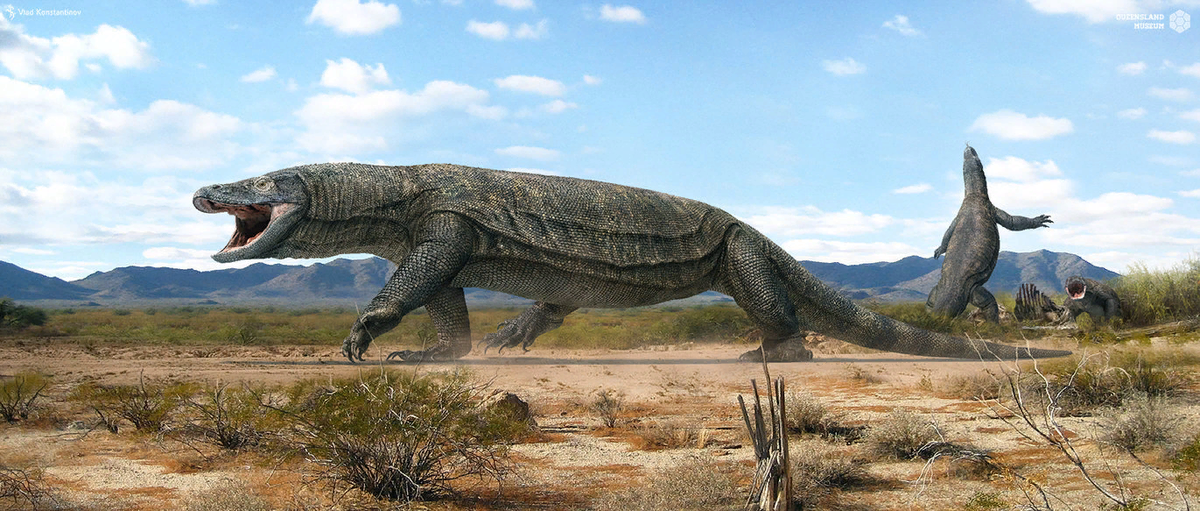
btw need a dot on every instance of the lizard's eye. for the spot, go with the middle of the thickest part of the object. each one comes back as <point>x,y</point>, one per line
<point>264,184</point>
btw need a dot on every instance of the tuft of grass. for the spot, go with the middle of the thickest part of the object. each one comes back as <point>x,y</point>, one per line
<point>1187,457</point>
<point>230,496</point>
<point>901,435</point>
<point>1142,423</point>
<point>1086,384</point>
<point>699,485</point>
<point>985,501</point>
<point>18,393</point>
<point>608,406</point>
<point>228,417</point>
<point>806,414</point>
<point>978,386</point>
<point>861,375</point>
<point>820,470</point>
<point>399,435</point>
<point>1157,296</point>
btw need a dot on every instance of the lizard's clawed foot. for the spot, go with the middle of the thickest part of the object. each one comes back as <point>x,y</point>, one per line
<point>786,352</point>
<point>353,349</point>
<point>435,354</point>
<point>507,335</point>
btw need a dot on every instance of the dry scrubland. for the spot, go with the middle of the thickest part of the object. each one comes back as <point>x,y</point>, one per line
<point>220,408</point>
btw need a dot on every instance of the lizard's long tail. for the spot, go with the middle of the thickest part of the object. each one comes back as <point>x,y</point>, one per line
<point>822,309</point>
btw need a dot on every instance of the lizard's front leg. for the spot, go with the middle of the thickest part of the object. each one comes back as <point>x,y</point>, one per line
<point>538,319</point>
<point>448,311</point>
<point>443,245</point>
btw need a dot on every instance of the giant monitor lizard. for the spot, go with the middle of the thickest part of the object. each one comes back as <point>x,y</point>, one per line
<point>564,242</point>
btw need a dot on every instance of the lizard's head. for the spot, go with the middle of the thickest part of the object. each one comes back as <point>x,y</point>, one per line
<point>1076,288</point>
<point>266,209</point>
<point>973,178</point>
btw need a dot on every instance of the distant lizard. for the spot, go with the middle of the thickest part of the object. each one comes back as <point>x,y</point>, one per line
<point>1093,297</point>
<point>972,245</point>
<point>564,242</point>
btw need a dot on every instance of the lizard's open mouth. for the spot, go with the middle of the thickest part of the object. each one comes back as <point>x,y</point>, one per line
<point>1076,290</point>
<point>251,220</point>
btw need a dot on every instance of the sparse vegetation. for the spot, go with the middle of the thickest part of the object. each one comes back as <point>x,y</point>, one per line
<point>670,434</point>
<point>147,405</point>
<point>819,470</point>
<point>608,406</point>
<point>18,393</point>
<point>226,416</point>
<point>693,486</point>
<point>399,435</point>
<point>25,489</point>
<point>1141,423</point>
<point>902,435</point>
<point>1085,383</point>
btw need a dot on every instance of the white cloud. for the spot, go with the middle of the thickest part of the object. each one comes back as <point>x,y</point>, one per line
<point>1182,137</point>
<point>844,67</point>
<point>592,80</point>
<point>1194,194</point>
<point>1193,172</point>
<point>1181,94</point>
<point>808,220</point>
<point>1192,115</point>
<point>33,251</point>
<point>913,189</point>
<point>1010,125</point>
<point>45,126</point>
<point>533,32</point>
<point>900,24</point>
<point>349,17</point>
<point>516,5</point>
<point>532,153</point>
<point>494,112</point>
<point>533,84</point>
<point>1132,113</point>
<point>622,14</point>
<point>1094,11</point>
<point>496,30</point>
<point>197,3</point>
<point>28,57</point>
<point>261,74</point>
<point>1132,68</point>
<point>342,123</point>
<point>558,106</point>
<point>1192,70</point>
<point>1017,169</point>
<point>350,76</point>
<point>1017,184</point>
<point>847,252</point>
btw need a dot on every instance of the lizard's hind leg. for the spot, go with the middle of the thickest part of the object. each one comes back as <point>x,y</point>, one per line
<point>750,277</point>
<point>983,299</point>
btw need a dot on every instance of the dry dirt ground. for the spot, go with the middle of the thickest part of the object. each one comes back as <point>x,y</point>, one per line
<point>575,459</point>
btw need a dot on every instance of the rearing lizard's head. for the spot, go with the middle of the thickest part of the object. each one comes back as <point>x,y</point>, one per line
<point>973,178</point>
<point>267,208</point>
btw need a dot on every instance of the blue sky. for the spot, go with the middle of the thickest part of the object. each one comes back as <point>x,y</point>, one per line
<point>836,130</point>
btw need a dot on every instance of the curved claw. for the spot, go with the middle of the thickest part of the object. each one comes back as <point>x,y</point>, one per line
<point>402,355</point>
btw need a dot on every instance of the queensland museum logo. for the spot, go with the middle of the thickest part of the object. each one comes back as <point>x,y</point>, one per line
<point>1180,21</point>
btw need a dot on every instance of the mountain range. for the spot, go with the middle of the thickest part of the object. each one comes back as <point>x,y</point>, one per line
<point>353,282</point>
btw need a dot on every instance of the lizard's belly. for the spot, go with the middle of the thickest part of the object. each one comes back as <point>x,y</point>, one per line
<point>587,286</point>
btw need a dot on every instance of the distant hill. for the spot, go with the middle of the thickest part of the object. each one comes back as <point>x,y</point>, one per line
<point>911,278</point>
<point>353,282</point>
<point>21,284</point>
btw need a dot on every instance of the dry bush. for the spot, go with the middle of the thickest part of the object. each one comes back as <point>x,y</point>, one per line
<point>699,485</point>
<point>399,435</point>
<point>806,414</point>
<point>149,405</point>
<point>820,470</point>
<point>18,393</point>
<point>226,417</point>
<point>1084,384</point>
<point>608,406</point>
<point>861,375</point>
<point>1142,423</point>
<point>26,489</point>
<point>978,386</point>
<point>901,435</point>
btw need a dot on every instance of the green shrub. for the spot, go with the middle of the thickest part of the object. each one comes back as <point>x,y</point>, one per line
<point>399,435</point>
<point>1105,380</point>
<point>1156,296</point>
<point>18,393</point>
<point>149,405</point>
<point>20,316</point>
<point>1187,457</point>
